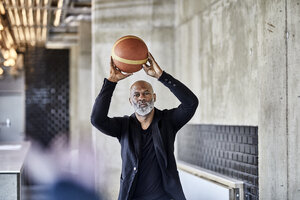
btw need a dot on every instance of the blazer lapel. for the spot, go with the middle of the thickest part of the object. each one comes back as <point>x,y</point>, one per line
<point>158,145</point>
<point>136,136</point>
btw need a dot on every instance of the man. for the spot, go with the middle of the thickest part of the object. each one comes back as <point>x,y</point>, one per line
<point>149,170</point>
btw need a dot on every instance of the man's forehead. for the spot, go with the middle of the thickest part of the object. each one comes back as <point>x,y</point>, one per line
<point>137,90</point>
<point>141,86</point>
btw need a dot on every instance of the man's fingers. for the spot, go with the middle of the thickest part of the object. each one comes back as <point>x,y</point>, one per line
<point>145,68</point>
<point>128,74</point>
<point>113,66</point>
<point>149,70</point>
<point>113,69</point>
<point>145,65</point>
<point>125,75</point>
<point>149,61</point>
<point>112,61</point>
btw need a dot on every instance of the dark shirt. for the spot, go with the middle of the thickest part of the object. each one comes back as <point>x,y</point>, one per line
<point>149,183</point>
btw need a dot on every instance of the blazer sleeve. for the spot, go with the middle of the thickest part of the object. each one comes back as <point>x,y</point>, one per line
<point>188,101</point>
<point>99,116</point>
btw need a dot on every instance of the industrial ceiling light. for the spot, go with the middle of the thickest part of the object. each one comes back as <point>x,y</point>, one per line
<point>31,23</point>
<point>9,62</point>
<point>44,33</point>
<point>9,38</point>
<point>5,54</point>
<point>38,13</point>
<point>45,18</point>
<point>13,53</point>
<point>16,34</point>
<point>27,34</point>
<point>1,71</point>
<point>58,13</point>
<point>11,17</point>
<point>30,13</point>
<point>21,35</point>
<point>24,17</point>
<point>17,17</point>
<point>26,23</point>
<point>2,10</point>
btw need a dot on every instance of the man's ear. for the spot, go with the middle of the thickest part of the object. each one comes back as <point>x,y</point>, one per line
<point>154,97</point>
<point>130,101</point>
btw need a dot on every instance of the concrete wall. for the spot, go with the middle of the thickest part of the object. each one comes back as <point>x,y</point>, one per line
<point>217,43</point>
<point>237,58</point>
<point>240,57</point>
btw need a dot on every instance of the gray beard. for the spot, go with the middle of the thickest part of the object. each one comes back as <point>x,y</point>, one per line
<point>143,111</point>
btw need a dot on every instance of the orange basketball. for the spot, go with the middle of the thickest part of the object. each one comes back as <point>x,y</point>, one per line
<point>129,53</point>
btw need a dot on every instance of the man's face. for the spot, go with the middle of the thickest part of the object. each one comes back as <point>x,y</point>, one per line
<point>142,98</point>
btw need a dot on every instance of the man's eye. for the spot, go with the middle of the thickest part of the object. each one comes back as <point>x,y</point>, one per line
<point>136,95</point>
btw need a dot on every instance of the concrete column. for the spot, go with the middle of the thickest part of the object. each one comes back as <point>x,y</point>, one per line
<point>293,97</point>
<point>80,100</point>
<point>279,170</point>
<point>74,131</point>
<point>84,82</point>
<point>80,81</point>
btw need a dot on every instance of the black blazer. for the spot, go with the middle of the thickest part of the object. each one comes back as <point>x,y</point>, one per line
<point>164,126</point>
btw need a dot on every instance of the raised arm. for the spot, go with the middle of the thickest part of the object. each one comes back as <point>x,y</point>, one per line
<point>189,102</point>
<point>99,118</point>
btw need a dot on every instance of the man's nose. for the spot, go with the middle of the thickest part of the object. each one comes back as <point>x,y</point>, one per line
<point>142,97</point>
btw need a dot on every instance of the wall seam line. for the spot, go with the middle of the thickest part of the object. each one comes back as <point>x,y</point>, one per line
<point>287,100</point>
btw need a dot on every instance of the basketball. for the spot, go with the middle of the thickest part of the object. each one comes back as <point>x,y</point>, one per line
<point>129,53</point>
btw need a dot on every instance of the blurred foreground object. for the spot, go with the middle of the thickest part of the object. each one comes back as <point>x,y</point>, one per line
<point>65,174</point>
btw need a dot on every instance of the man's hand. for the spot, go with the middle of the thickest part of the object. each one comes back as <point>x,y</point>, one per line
<point>116,74</point>
<point>153,69</point>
